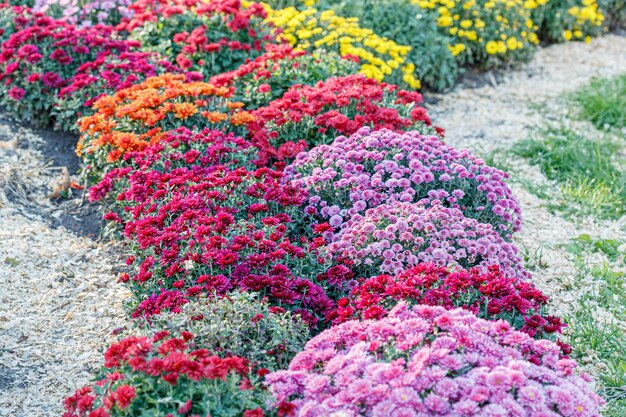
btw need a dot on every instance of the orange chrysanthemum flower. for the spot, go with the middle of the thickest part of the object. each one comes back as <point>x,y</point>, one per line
<point>184,110</point>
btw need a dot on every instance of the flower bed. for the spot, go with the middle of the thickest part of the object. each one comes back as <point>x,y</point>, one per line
<point>373,237</point>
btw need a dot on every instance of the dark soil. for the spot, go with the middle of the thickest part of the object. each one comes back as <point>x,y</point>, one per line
<point>78,216</point>
<point>75,213</point>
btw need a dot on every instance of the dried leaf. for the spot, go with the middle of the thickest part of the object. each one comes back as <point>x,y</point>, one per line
<point>62,186</point>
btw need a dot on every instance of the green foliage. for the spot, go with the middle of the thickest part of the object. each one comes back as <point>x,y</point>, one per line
<point>615,14</point>
<point>585,243</point>
<point>564,20</point>
<point>603,102</point>
<point>239,325</point>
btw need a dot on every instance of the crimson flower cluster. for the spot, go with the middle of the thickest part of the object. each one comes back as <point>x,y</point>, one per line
<point>311,115</point>
<point>200,225</point>
<point>208,36</point>
<point>53,70</point>
<point>491,295</point>
<point>41,56</point>
<point>178,372</point>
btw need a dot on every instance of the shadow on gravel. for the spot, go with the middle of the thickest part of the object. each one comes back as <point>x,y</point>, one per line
<point>76,214</point>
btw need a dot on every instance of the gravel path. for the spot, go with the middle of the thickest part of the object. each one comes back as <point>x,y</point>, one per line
<point>58,297</point>
<point>494,117</point>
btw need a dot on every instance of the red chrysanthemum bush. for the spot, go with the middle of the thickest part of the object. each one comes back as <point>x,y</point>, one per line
<point>203,227</point>
<point>210,36</point>
<point>429,361</point>
<point>312,115</point>
<point>135,117</point>
<point>490,295</point>
<point>269,76</point>
<point>163,375</point>
<point>40,56</point>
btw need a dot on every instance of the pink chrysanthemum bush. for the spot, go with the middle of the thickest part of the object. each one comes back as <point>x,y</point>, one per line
<point>368,169</point>
<point>168,376</point>
<point>490,295</point>
<point>428,361</point>
<point>394,237</point>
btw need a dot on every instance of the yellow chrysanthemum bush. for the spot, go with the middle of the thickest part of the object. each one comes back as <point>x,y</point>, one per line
<point>566,20</point>
<point>309,28</point>
<point>430,57</point>
<point>487,33</point>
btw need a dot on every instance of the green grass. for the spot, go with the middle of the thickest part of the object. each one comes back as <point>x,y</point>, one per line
<point>586,169</point>
<point>601,342</point>
<point>603,102</point>
<point>585,243</point>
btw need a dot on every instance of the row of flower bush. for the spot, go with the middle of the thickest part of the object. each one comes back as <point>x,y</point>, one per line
<point>301,240</point>
<point>212,228</point>
<point>403,42</point>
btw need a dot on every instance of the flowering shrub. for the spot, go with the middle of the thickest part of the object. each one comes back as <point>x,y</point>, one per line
<point>207,228</point>
<point>311,115</point>
<point>134,117</point>
<point>491,295</point>
<point>368,168</point>
<point>163,375</point>
<point>394,237</point>
<point>42,55</point>
<point>487,33</point>
<point>312,29</point>
<point>269,76</point>
<point>430,58</point>
<point>239,324</point>
<point>210,36</point>
<point>86,12</point>
<point>564,20</point>
<point>427,361</point>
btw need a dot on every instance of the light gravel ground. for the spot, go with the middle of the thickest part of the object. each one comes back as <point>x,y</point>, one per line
<point>494,117</point>
<point>59,300</point>
<point>58,297</point>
